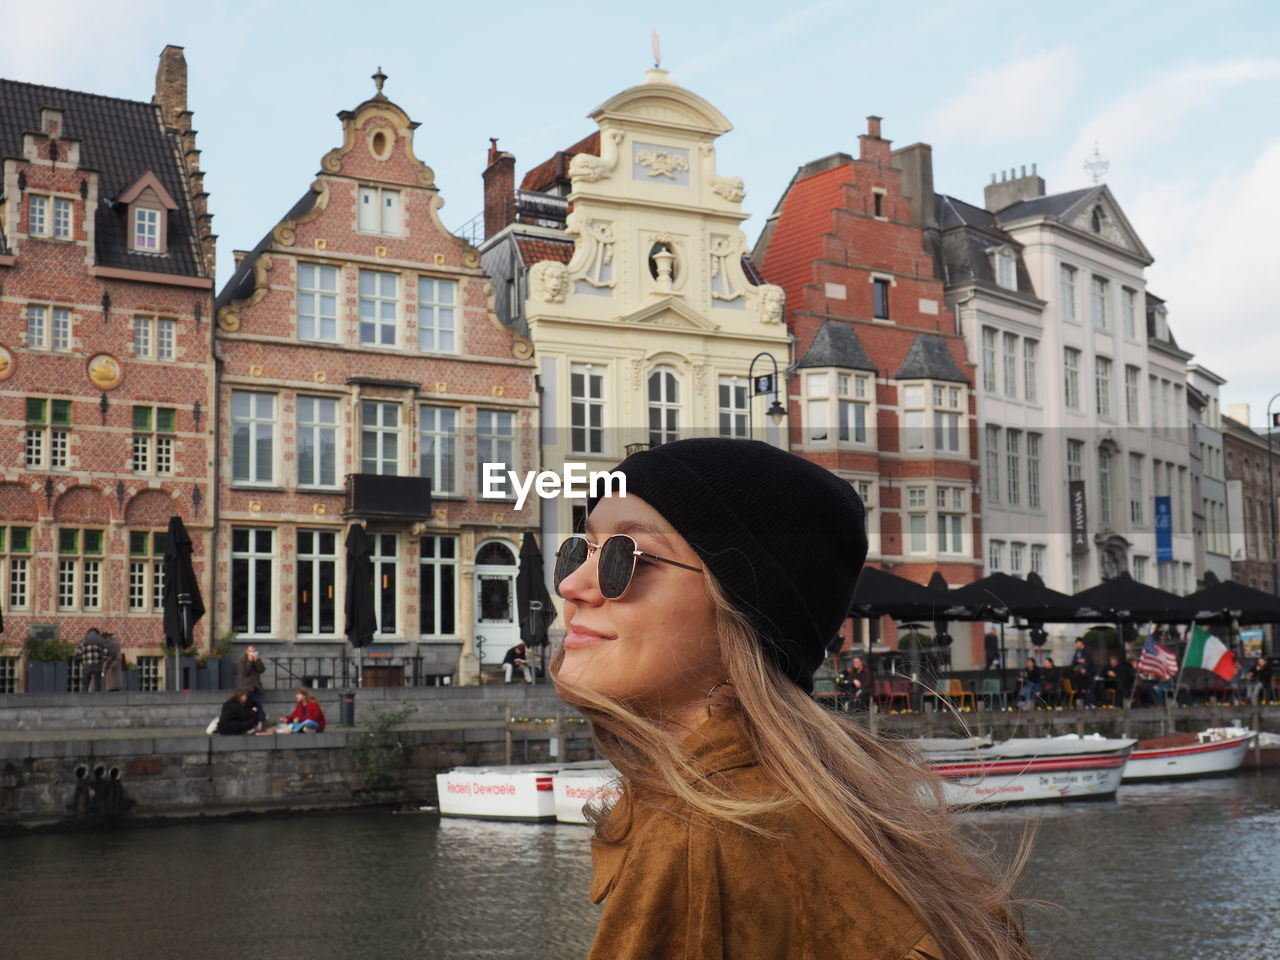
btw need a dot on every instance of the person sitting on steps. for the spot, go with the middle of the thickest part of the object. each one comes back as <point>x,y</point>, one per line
<point>517,656</point>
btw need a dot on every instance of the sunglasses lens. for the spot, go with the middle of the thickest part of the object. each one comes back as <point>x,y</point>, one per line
<point>571,555</point>
<point>617,563</point>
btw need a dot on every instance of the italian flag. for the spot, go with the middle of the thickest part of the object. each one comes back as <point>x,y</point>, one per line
<point>1207,652</point>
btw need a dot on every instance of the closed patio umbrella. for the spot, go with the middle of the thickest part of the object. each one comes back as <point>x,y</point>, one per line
<point>181,600</point>
<point>533,600</point>
<point>362,621</point>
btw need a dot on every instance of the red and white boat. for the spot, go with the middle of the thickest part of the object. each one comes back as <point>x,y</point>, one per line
<point>576,785</point>
<point>498,793</point>
<point>1027,769</point>
<point>1214,751</point>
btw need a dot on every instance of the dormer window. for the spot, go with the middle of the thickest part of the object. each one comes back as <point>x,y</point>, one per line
<point>1006,268</point>
<point>148,204</point>
<point>50,217</point>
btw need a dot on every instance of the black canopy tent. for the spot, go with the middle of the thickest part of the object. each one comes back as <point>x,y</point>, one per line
<point>1227,601</point>
<point>883,594</point>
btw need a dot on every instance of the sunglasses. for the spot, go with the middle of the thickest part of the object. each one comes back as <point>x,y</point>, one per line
<point>617,564</point>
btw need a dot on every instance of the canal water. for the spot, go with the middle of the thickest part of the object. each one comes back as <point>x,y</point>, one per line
<point>1186,870</point>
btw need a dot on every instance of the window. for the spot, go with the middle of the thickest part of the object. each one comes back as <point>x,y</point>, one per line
<point>48,328</point>
<point>586,408</point>
<point>946,419</point>
<point>1010,365</point>
<point>989,359</point>
<point>995,558</point>
<point>1037,558</point>
<point>79,569</point>
<point>253,433</point>
<point>950,502</point>
<point>15,566</point>
<point>877,200</point>
<point>40,223</point>
<point>380,437</point>
<point>153,338</point>
<point>1106,487</point>
<point>146,230</point>
<point>993,463</point>
<point>917,520</point>
<point>386,564</point>
<point>1128,307</point>
<point>1006,269</point>
<point>317,302</point>
<point>251,576</point>
<point>317,439</point>
<point>153,436</point>
<point>437,300</point>
<point>46,447</point>
<point>913,419</point>
<point>1075,460</point>
<point>316,583</point>
<point>880,290</point>
<point>852,406</point>
<point>379,211</point>
<point>1131,375</point>
<point>1067,291</point>
<point>866,491</point>
<point>1098,304</point>
<point>1016,553</point>
<point>1135,488</point>
<point>38,215</point>
<point>1071,378</point>
<point>1030,356</point>
<point>379,297</point>
<point>733,407</point>
<point>62,218</point>
<point>438,587</point>
<point>817,388</point>
<point>1077,572</point>
<point>146,570</point>
<point>1102,385</point>
<point>438,448</point>
<point>1033,471</point>
<point>495,443</point>
<point>1013,458</point>
<point>664,406</point>
<point>1180,500</point>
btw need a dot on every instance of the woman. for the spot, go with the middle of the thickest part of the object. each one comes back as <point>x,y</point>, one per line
<point>238,714</point>
<point>752,822</point>
<point>1031,685</point>
<point>307,715</point>
<point>858,683</point>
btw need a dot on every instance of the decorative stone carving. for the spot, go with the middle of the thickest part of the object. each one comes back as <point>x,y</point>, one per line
<point>727,280</point>
<point>592,169</point>
<point>661,163</point>
<point>731,189</point>
<point>635,374</point>
<point>549,281</point>
<point>593,250</point>
<point>770,302</point>
<point>699,378</point>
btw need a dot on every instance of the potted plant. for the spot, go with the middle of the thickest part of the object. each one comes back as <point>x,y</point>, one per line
<point>217,671</point>
<point>48,663</point>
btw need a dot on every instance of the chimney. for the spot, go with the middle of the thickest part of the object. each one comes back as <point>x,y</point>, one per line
<point>1239,412</point>
<point>499,189</point>
<point>872,149</point>
<point>1012,188</point>
<point>171,87</point>
<point>916,164</point>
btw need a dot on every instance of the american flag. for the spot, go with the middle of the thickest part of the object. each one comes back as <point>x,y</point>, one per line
<point>1156,660</point>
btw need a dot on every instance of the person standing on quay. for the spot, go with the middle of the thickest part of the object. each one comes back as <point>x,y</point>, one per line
<point>113,669</point>
<point>251,670</point>
<point>92,654</point>
<point>752,822</point>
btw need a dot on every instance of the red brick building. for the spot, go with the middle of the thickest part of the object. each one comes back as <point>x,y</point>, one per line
<point>106,380</point>
<point>364,377</point>
<point>881,392</point>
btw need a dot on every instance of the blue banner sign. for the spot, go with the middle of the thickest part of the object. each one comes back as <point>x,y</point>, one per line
<point>1164,530</point>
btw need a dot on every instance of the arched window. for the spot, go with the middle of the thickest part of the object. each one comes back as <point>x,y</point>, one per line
<point>495,554</point>
<point>664,406</point>
<point>1096,219</point>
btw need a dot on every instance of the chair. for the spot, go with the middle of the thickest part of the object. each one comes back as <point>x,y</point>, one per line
<point>989,690</point>
<point>888,692</point>
<point>1067,695</point>
<point>956,692</point>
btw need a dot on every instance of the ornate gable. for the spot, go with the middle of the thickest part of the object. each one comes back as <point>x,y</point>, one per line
<point>1097,213</point>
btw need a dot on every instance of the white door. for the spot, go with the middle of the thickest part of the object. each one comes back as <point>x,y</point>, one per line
<point>495,606</point>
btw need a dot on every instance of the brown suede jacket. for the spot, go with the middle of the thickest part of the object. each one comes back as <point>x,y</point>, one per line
<point>680,888</point>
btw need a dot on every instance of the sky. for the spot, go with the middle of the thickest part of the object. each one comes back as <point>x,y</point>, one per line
<point>1182,98</point>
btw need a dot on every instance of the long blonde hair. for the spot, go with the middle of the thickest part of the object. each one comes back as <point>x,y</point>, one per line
<point>875,797</point>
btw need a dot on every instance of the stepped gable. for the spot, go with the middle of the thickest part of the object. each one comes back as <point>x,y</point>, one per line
<point>120,140</point>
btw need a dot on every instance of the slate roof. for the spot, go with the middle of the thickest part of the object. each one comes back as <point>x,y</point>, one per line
<point>836,344</point>
<point>240,285</point>
<point>968,235</point>
<point>929,359</point>
<point>1052,206</point>
<point>121,140</point>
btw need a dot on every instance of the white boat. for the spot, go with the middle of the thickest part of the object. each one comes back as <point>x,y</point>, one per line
<point>1214,751</point>
<point>1026,769</point>
<point>575,785</point>
<point>521,792</point>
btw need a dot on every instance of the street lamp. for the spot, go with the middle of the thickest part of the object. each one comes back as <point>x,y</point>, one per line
<point>766,383</point>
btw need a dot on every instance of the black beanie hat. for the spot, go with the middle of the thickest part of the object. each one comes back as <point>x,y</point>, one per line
<point>784,537</point>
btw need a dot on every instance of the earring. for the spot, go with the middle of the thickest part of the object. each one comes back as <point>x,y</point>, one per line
<point>714,688</point>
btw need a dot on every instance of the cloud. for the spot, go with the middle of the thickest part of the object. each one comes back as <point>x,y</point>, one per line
<point>1021,100</point>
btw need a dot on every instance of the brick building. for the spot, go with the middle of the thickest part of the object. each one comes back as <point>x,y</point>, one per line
<point>363,377</point>
<point>1248,483</point>
<point>881,390</point>
<point>106,380</point>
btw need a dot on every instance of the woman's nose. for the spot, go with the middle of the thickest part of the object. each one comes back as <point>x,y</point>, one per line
<point>582,586</point>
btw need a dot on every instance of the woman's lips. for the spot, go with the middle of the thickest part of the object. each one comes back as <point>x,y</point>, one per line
<point>579,638</point>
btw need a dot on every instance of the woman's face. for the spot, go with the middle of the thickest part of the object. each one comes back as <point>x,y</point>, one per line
<point>298,696</point>
<point>655,649</point>
<point>857,664</point>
